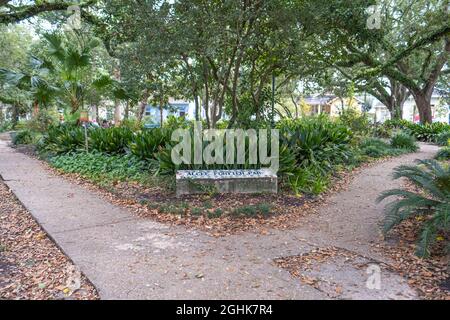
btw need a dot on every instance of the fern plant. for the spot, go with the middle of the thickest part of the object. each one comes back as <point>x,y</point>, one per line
<point>432,204</point>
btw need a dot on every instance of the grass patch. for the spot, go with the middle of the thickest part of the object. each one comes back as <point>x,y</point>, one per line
<point>262,209</point>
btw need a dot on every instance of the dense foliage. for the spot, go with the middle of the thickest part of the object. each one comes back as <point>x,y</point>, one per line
<point>377,148</point>
<point>101,167</point>
<point>402,140</point>
<point>22,137</point>
<point>110,140</point>
<point>422,132</point>
<point>312,149</point>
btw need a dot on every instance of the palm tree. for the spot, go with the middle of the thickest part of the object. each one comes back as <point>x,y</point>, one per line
<point>32,81</point>
<point>71,60</point>
<point>432,203</point>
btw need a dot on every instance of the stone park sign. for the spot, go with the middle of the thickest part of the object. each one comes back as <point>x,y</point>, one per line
<point>226,181</point>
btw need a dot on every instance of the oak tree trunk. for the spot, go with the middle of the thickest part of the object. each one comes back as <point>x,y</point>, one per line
<point>423,103</point>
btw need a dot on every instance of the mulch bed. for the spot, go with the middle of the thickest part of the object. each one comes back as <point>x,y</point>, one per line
<point>31,265</point>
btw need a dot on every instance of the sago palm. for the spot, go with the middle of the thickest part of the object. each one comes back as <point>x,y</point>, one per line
<point>432,203</point>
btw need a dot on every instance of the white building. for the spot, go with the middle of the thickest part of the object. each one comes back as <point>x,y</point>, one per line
<point>177,108</point>
<point>440,111</point>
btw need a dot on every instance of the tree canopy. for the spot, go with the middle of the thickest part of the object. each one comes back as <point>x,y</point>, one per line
<point>224,55</point>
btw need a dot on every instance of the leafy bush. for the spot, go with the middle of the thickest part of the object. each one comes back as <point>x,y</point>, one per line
<point>173,123</point>
<point>422,132</point>
<point>443,139</point>
<point>443,154</point>
<point>133,125</point>
<point>147,143</point>
<point>167,167</point>
<point>309,180</point>
<point>317,142</point>
<point>375,148</point>
<point>317,147</point>
<point>110,140</point>
<point>6,126</point>
<point>357,121</point>
<point>42,121</point>
<point>102,167</point>
<point>397,124</point>
<point>62,139</point>
<point>381,131</point>
<point>22,137</point>
<point>428,132</point>
<point>432,204</point>
<point>402,140</point>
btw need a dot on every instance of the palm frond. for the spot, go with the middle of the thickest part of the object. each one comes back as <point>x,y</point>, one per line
<point>427,238</point>
<point>433,201</point>
<point>11,77</point>
<point>55,45</point>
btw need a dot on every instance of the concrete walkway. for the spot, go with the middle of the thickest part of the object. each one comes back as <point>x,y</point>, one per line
<point>127,257</point>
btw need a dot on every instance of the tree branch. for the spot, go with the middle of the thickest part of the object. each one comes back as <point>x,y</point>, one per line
<point>27,11</point>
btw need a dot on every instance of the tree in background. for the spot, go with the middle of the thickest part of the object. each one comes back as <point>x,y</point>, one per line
<point>410,48</point>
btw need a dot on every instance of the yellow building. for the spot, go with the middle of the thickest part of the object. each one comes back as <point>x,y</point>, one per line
<point>330,105</point>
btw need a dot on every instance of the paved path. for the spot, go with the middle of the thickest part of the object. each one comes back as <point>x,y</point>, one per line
<point>127,257</point>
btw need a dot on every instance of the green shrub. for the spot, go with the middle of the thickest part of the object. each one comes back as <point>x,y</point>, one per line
<point>99,166</point>
<point>308,180</point>
<point>402,140</point>
<point>133,125</point>
<point>381,131</point>
<point>443,139</point>
<point>432,204</point>
<point>6,126</point>
<point>397,124</point>
<point>166,166</point>
<point>428,132</point>
<point>147,143</point>
<point>42,121</point>
<point>318,142</point>
<point>443,154</point>
<point>377,148</point>
<point>22,137</point>
<point>173,123</point>
<point>357,121</point>
<point>110,140</point>
<point>374,152</point>
<point>376,142</point>
<point>423,132</point>
<point>62,139</point>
